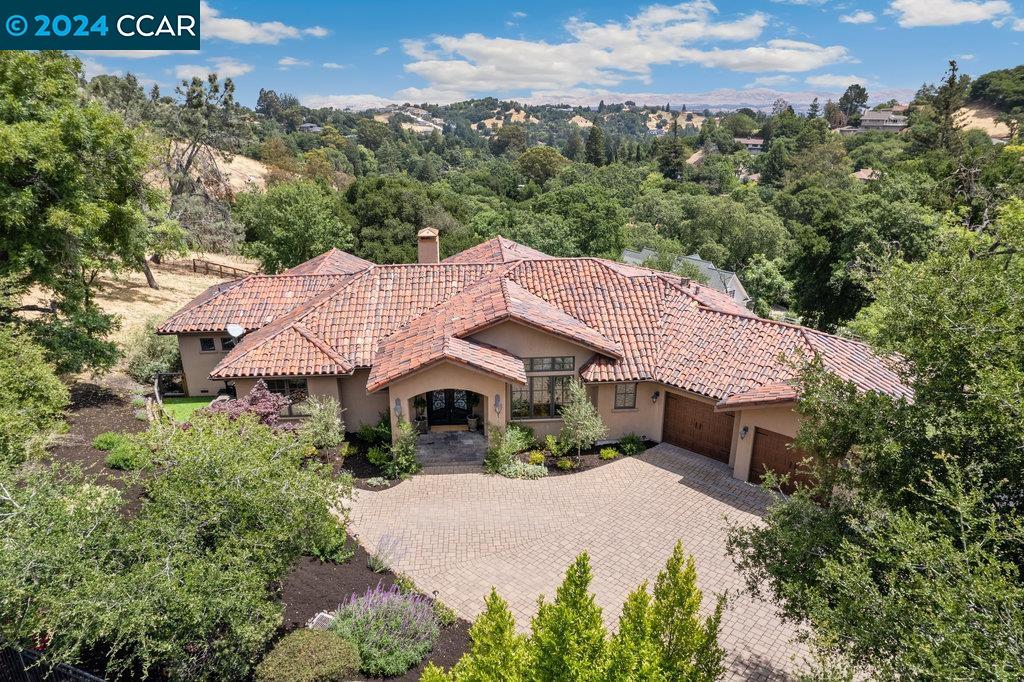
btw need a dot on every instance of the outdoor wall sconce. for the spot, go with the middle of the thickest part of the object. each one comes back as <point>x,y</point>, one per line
<point>744,431</point>
<point>655,396</point>
<point>497,404</point>
<point>398,407</point>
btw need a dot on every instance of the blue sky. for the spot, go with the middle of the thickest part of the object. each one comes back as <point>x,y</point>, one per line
<point>361,53</point>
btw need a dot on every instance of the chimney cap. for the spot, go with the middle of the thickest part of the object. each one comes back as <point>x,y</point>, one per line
<point>427,232</point>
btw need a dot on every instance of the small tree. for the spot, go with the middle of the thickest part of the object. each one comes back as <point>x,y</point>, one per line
<point>323,427</point>
<point>32,398</point>
<point>633,653</point>
<point>148,353</point>
<point>497,651</point>
<point>568,638</point>
<point>582,425</point>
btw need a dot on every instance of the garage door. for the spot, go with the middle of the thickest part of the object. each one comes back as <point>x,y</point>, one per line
<point>771,452</point>
<point>696,426</point>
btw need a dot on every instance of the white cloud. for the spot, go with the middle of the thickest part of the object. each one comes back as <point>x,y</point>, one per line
<point>771,81</point>
<point>858,17</point>
<point>965,57</point>
<point>1018,24</point>
<point>357,102</point>
<point>292,61</point>
<point>93,68</point>
<point>333,65</point>
<point>519,15</point>
<point>225,67</point>
<point>833,81</point>
<point>603,55</point>
<point>381,50</point>
<point>915,13</point>
<point>213,25</point>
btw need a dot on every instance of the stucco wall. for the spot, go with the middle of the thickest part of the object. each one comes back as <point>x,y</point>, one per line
<point>780,419</point>
<point>449,375</point>
<point>360,407</point>
<point>645,419</point>
<point>197,365</point>
<point>527,342</point>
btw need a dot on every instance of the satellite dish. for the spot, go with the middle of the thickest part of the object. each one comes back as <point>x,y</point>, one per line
<point>236,330</point>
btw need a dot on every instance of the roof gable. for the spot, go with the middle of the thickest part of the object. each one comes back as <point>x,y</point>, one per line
<point>497,250</point>
<point>333,262</point>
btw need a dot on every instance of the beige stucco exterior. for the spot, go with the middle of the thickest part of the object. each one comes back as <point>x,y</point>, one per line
<point>197,365</point>
<point>360,407</point>
<point>779,418</point>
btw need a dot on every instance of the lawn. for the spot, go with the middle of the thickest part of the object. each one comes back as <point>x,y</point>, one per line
<point>181,409</point>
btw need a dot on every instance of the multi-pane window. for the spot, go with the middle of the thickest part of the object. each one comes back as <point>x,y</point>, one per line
<point>227,343</point>
<point>625,396</point>
<point>207,345</point>
<point>542,397</point>
<point>560,364</point>
<point>296,391</point>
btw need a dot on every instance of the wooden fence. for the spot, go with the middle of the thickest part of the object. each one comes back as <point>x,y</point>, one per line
<point>227,271</point>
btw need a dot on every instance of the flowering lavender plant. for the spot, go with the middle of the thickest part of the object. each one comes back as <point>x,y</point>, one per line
<point>266,406</point>
<point>393,631</point>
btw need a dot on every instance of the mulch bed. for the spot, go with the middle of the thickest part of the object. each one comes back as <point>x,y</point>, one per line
<point>588,460</point>
<point>313,586</point>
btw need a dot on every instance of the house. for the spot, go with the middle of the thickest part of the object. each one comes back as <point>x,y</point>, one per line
<point>499,330</point>
<point>885,120</point>
<point>754,145</point>
<point>310,128</point>
<point>726,281</point>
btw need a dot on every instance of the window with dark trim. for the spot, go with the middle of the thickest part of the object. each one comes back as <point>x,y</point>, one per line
<point>541,398</point>
<point>625,396</point>
<point>227,343</point>
<point>296,391</point>
<point>207,345</point>
<point>565,363</point>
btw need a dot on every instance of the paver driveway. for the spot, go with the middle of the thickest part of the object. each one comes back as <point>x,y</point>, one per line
<point>460,532</point>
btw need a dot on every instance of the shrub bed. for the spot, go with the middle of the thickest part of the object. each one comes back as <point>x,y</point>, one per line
<point>310,656</point>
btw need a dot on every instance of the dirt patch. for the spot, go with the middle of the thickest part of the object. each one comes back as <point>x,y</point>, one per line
<point>314,586</point>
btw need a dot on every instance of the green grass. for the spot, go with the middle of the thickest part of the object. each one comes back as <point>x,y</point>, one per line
<point>181,409</point>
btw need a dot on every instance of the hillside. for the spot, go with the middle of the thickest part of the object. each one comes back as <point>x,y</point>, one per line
<point>982,116</point>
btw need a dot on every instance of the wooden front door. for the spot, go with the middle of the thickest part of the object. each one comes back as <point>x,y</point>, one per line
<point>771,452</point>
<point>450,406</point>
<point>696,426</point>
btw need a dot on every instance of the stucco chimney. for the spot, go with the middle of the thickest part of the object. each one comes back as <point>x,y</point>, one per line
<point>429,246</point>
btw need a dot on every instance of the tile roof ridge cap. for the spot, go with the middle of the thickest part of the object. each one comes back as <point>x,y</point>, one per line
<point>308,334</point>
<point>192,305</point>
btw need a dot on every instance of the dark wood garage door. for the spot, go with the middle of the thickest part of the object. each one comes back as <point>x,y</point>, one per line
<point>771,452</point>
<point>696,426</point>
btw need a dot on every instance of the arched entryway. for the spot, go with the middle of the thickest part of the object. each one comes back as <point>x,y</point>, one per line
<point>448,409</point>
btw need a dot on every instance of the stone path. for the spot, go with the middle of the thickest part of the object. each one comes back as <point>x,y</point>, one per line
<point>451,448</point>
<point>462,532</point>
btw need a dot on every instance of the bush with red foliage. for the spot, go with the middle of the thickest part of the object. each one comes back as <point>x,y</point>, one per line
<point>260,402</point>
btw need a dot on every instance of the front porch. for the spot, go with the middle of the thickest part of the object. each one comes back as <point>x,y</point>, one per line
<point>451,448</point>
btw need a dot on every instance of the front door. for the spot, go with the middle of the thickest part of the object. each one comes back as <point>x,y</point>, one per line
<point>450,406</point>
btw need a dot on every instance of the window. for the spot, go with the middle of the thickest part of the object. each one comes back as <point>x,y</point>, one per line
<point>207,345</point>
<point>293,389</point>
<point>541,398</point>
<point>625,396</point>
<point>559,364</point>
<point>227,343</point>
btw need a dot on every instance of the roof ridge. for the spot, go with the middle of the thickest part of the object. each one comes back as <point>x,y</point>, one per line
<point>308,334</point>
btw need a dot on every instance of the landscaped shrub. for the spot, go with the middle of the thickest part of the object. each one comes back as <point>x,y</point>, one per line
<point>377,482</point>
<point>258,402</point>
<point>446,617</point>
<point>401,457</point>
<point>405,584</point>
<point>32,399</point>
<point>378,563</point>
<point>128,455</point>
<point>378,434</point>
<point>535,457</point>
<point>555,448</point>
<point>323,426</point>
<point>504,445</point>
<point>310,656</point>
<point>608,453</point>
<point>392,631</point>
<point>146,353</point>
<point>517,468</point>
<point>632,444</point>
<point>582,425</point>
<point>378,456</point>
<point>662,637</point>
<point>565,464</point>
<point>109,440</point>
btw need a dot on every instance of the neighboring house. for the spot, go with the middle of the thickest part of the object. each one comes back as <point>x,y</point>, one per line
<point>754,145</point>
<point>885,120</point>
<point>500,329</point>
<point>310,128</point>
<point>726,281</point>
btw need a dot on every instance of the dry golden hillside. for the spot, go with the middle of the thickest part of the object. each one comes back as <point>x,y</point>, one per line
<point>983,117</point>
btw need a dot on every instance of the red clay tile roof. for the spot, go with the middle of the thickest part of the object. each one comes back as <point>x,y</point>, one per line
<point>333,262</point>
<point>497,250</point>
<point>642,324</point>
<point>759,396</point>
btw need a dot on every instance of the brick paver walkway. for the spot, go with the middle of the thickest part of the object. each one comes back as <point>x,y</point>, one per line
<point>459,532</point>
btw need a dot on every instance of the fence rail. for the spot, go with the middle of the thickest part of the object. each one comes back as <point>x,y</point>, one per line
<point>24,666</point>
<point>209,267</point>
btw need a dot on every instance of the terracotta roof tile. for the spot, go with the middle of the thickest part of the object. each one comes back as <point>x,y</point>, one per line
<point>758,396</point>
<point>497,250</point>
<point>333,262</point>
